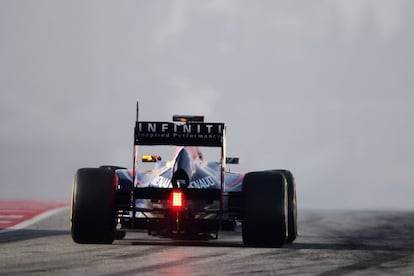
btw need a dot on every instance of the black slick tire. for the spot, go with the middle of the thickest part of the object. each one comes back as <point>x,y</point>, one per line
<point>292,206</point>
<point>264,219</point>
<point>111,167</point>
<point>93,206</point>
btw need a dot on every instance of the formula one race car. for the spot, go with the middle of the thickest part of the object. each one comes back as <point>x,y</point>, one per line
<point>186,197</point>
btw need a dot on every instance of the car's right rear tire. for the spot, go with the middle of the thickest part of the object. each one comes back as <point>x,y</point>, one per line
<point>264,220</point>
<point>292,232</point>
<point>93,206</point>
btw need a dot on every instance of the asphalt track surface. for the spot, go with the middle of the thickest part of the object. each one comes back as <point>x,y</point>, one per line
<point>331,243</point>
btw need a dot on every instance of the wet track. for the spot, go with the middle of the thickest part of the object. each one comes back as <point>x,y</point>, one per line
<point>331,243</point>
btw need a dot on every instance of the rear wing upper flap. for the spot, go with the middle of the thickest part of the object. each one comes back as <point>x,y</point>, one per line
<point>188,134</point>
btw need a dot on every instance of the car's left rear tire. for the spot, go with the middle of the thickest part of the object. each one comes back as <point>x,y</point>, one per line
<point>93,218</point>
<point>111,167</point>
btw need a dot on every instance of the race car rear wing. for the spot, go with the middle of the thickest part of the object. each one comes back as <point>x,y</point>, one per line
<point>192,131</point>
<point>184,131</point>
<point>188,131</point>
<point>187,134</point>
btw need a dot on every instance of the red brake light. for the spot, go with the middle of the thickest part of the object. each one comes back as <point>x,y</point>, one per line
<point>177,199</point>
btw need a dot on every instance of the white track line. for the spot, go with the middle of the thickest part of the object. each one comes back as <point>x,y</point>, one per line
<point>34,220</point>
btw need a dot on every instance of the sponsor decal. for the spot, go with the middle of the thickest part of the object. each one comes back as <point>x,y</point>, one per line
<point>161,181</point>
<point>166,133</point>
<point>167,128</point>
<point>202,183</point>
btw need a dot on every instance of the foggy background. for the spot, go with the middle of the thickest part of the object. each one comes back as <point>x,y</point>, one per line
<point>323,88</point>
